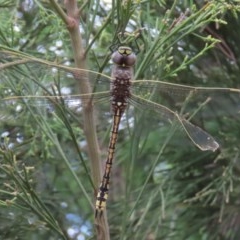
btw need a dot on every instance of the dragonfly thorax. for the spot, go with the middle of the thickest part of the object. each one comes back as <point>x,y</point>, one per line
<point>120,92</point>
<point>122,74</point>
<point>124,57</point>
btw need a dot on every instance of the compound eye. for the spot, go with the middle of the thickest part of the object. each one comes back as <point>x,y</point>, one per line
<point>131,59</point>
<point>124,56</point>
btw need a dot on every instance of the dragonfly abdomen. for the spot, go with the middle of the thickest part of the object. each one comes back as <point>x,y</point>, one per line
<point>104,187</point>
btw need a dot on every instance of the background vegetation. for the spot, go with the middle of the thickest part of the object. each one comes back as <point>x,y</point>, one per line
<point>162,186</point>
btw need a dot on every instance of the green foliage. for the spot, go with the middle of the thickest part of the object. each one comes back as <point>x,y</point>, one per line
<point>162,186</point>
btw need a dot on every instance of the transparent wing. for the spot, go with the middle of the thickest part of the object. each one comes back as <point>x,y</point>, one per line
<point>43,86</point>
<point>30,77</point>
<point>40,89</point>
<point>186,99</point>
<point>183,102</point>
<point>198,136</point>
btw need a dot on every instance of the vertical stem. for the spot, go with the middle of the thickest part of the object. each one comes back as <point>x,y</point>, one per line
<point>72,22</point>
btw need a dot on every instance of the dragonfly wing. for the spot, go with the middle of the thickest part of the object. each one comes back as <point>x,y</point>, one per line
<point>44,89</point>
<point>198,136</point>
<point>37,77</point>
<point>218,101</point>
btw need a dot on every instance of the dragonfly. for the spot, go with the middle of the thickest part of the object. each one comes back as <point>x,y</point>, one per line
<point>121,91</point>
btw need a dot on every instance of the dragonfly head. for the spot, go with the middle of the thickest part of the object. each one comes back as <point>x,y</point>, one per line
<point>124,57</point>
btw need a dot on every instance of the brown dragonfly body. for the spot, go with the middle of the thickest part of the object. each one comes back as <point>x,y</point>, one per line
<point>124,60</point>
